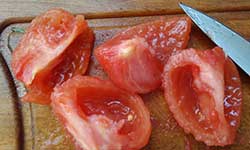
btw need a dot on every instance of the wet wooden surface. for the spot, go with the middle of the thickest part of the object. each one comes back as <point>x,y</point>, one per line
<point>33,127</point>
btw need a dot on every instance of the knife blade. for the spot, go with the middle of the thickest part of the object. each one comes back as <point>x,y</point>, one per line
<point>235,46</point>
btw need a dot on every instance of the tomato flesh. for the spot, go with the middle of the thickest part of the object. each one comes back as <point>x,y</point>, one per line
<point>99,115</point>
<point>196,89</point>
<point>130,64</point>
<point>55,47</point>
<point>199,103</point>
<point>112,109</point>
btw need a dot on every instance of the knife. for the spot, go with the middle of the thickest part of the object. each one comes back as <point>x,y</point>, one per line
<point>235,46</point>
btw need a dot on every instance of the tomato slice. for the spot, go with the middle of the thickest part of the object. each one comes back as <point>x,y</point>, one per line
<point>99,115</point>
<point>203,92</point>
<point>134,58</point>
<point>55,47</point>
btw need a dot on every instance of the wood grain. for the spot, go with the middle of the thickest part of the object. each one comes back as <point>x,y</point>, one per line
<point>9,125</point>
<point>22,10</point>
<point>36,126</point>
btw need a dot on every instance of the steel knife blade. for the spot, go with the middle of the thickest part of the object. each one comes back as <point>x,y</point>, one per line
<point>235,46</point>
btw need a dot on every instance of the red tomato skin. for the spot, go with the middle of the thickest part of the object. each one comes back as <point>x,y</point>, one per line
<point>233,96</point>
<point>71,102</point>
<point>138,71</point>
<point>131,66</point>
<point>193,84</point>
<point>165,36</point>
<point>41,53</point>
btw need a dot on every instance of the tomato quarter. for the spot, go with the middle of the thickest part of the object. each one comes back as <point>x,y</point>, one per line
<point>134,58</point>
<point>55,47</point>
<point>203,92</point>
<point>99,115</point>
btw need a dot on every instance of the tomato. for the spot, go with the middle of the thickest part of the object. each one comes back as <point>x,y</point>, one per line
<point>99,115</point>
<point>55,47</point>
<point>134,58</point>
<point>203,91</point>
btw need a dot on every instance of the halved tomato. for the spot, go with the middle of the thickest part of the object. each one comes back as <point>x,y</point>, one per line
<point>134,58</point>
<point>55,47</point>
<point>203,92</point>
<point>99,115</point>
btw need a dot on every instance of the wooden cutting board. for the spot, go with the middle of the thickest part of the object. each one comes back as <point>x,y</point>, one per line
<point>34,127</point>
